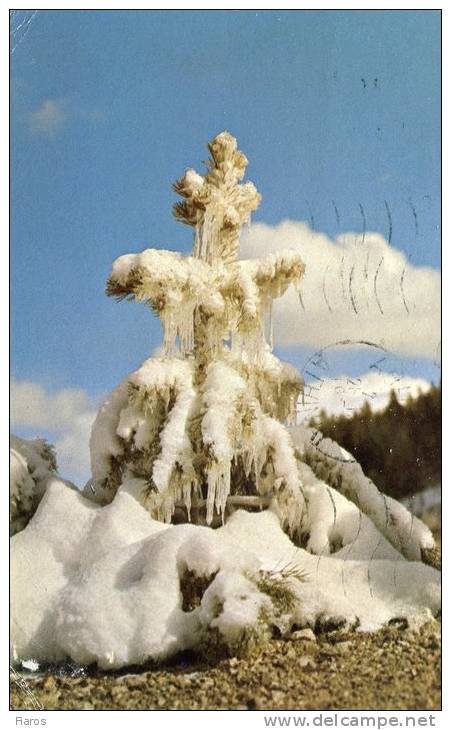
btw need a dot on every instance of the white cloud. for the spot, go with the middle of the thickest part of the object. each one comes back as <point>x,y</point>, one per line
<point>354,288</point>
<point>67,414</point>
<point>52,114</point>
<point>48,117</point>
<point>72,448</point>
<point>34,407</point>
<point>344,395</point>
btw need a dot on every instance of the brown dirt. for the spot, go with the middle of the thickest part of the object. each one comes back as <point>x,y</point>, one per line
<point>392,669</point>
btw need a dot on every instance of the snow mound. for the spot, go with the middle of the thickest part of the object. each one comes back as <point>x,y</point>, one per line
<point>119,588</point>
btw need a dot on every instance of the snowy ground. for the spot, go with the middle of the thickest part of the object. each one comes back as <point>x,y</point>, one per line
<point>393,668</point>
<point>109,590</point>
<point>119,589</point>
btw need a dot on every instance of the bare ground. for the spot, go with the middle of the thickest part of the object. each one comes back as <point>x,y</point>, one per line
<point>392,669</point>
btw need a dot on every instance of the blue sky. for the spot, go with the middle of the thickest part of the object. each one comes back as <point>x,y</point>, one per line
<point>337,112</point>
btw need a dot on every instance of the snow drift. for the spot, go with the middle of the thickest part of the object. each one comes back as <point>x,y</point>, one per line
<point>112,589</point>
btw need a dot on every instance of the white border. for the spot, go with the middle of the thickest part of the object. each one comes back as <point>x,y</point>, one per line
<point>142,719</point>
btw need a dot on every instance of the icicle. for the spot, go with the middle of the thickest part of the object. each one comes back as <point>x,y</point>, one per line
<point>248,461</point>
<point>209,237</point>
<point>170,332</point>
<point>271,326</point>
<point>168,508</point>
<point>257,469</point>
<point>211,493</point>
<point>206,235</point>
<point>218,489</point>
<point>187,487</point>
<point>198,234</point>
<point>222,488</point>
<point>185,327</point>
<point>173,438</point>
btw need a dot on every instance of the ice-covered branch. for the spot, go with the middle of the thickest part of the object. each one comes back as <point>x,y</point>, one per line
<point>338,468</point>
<point>215,204</point>
<point>233,298</point>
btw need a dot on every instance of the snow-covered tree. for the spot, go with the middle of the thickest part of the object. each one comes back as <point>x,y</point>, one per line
<point>32,464</point>
<point>205,421</point>
<point>207,425</point>
<point>32,469</point>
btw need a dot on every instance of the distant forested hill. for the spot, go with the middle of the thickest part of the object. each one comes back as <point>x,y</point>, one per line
<point>399,448</point>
